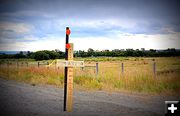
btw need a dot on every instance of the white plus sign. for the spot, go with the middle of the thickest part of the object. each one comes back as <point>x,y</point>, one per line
<point>172,108</point>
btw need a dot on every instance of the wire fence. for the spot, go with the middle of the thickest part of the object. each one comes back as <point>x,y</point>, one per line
<point>119,68</point>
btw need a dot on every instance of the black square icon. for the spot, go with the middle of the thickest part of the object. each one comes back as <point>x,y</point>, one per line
<point>172,108</point>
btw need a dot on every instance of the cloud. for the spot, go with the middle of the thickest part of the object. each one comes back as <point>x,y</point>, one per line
<point>122,41</point>
<point>13,32</point>
<point>77,13</point>
<point>15,27</point>
<point>47,43</point>
<point>13,46</point>
<point>118,22</point>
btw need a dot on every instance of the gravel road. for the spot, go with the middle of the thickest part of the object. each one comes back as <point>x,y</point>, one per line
<point>26,100</point>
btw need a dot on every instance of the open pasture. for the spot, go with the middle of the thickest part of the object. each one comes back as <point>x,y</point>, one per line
<point>147,75</point>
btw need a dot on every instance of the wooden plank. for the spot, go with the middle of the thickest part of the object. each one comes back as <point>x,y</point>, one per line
<point>70,89</point>
<point>70,52</point>
<point>69,97</point>
<point>70,63</point>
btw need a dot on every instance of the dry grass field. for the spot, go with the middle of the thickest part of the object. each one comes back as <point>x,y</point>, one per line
<point>138,74</point>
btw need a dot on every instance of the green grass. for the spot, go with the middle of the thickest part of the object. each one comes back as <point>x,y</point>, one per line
<point>100,59</point>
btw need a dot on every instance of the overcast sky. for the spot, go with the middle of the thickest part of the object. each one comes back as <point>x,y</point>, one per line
<point>99,24</point>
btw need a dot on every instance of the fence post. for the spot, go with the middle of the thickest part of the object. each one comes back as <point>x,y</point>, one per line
<point>47,65</point>
<point>27,64</point>
<point>8,63</point>
<point>8,67</point>
<point>154,69</point>
<point>55,63</point>
<point>122,68</point>
<point>97,69</point>
<point>17,63</point>
<point>82,68</point>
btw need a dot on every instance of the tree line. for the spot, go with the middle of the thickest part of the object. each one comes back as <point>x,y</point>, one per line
<point>56,54</point>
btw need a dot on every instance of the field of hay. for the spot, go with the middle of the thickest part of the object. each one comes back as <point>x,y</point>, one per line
<point>137,75</point>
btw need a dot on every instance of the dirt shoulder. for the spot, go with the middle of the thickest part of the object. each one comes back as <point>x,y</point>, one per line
<point>24,99</point>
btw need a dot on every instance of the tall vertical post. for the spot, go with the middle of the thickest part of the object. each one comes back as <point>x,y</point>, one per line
<point>8,66</point>
<point>82,68</point>
<point>154,69</point>
<point>97,69</point>
<point>65,70</point>
<point>55,63</point>
<point>122,68</point>
<point>47,65</point>
<point>27,64</point>
<point>68,75</point>
<point>7,63</point>
<point>17,63</point>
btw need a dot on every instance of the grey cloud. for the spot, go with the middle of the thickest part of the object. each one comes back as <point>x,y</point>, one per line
<point>158,13</point>
<point>99,8</point>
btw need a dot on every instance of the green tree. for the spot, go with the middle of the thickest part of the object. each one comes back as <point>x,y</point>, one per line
<point>20,55</point>
<point>41,55</point>
<point>90,52</point>
<point>52,54</point>
<point>61,54</point>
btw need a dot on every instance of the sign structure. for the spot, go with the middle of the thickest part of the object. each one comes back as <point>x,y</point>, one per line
<point>68,72</point>
<point>70,63</point>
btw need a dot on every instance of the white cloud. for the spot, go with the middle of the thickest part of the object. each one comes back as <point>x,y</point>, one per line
<point>120,41</point>
<point>168,41</point>
<point>47,43</point>
<point>16,27</point>
<point>96,23</point>
<point>126,40</point>
<point>123,42</point>
<point>13,46</point>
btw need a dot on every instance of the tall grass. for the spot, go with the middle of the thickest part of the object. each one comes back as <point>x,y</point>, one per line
<point>137,77</point>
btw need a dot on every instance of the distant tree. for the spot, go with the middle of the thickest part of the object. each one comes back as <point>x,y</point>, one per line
<point>57,50</point>
<point>61,54</point>
<point>52,54</point>
<point>29,54</point>
<point>171,50</point>
<point>82,53</point>
<point>90,52</point>
<point>7,56</point>
<point>20,55</point>
<point>152,50</point>
<point>129,52</point>
<point>41,55</point>
<point>46,54</point>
